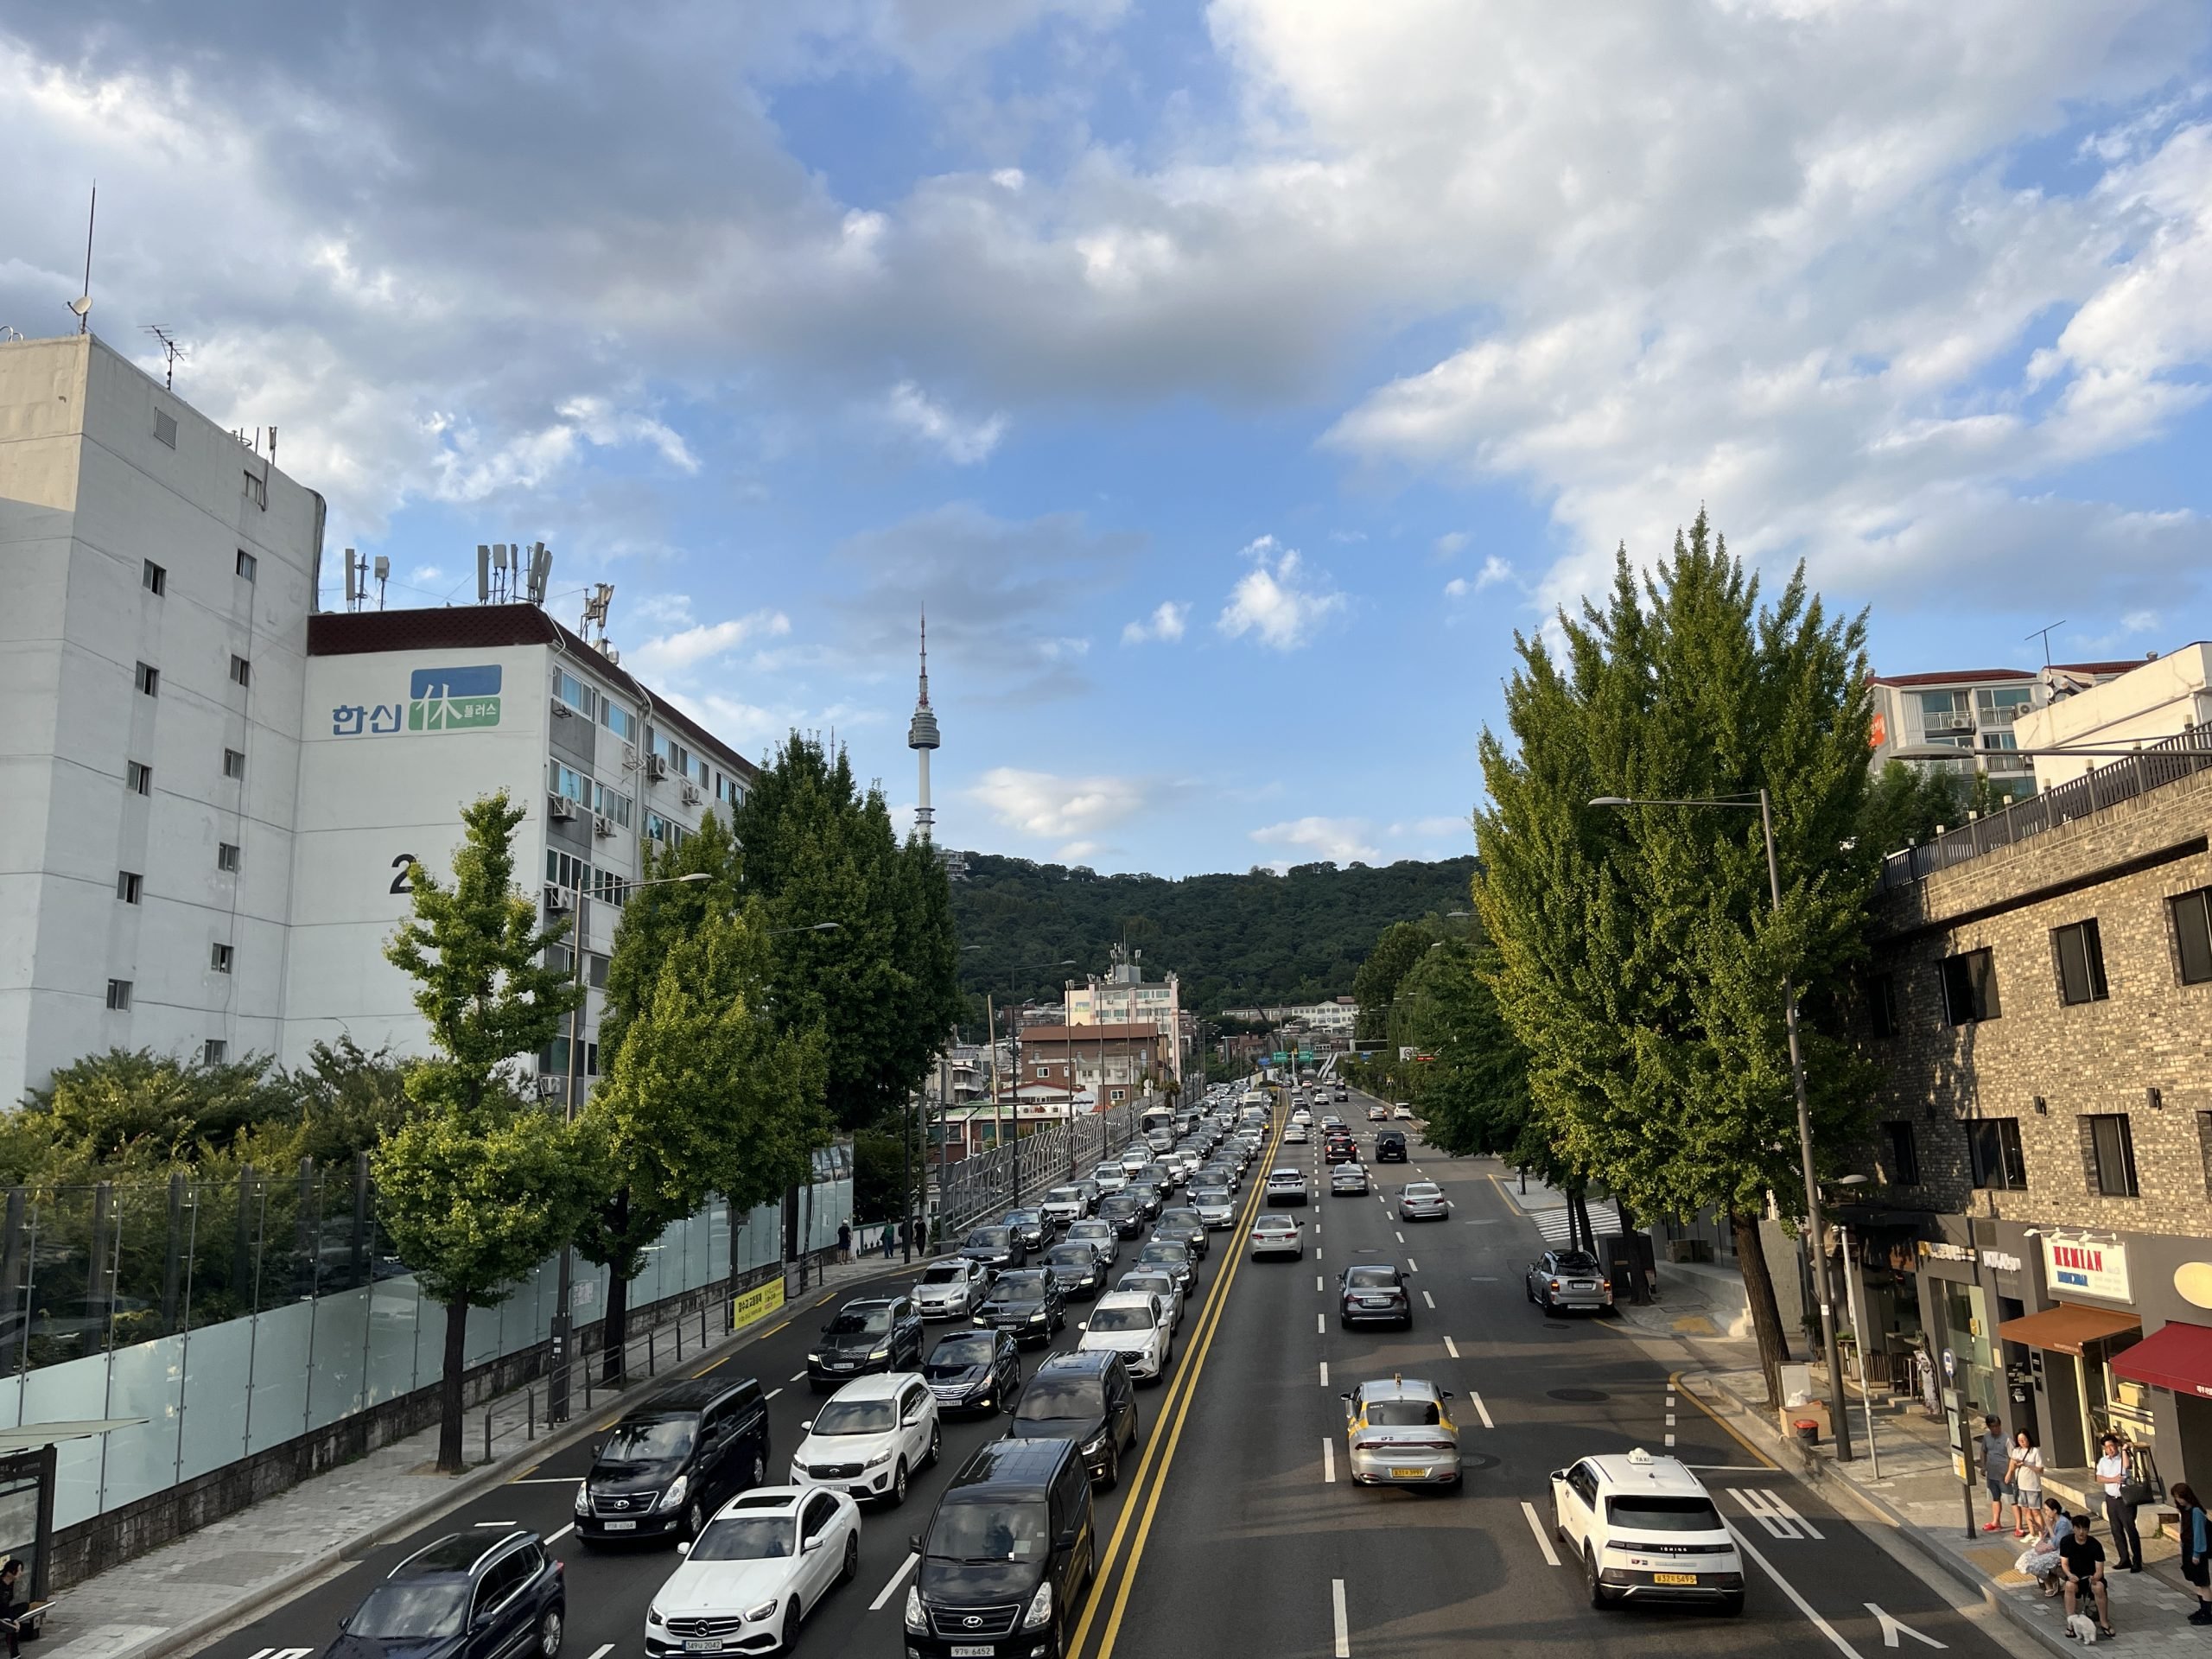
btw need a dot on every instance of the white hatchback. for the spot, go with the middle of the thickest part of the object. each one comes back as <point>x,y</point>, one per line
<point>1646,1530</point>
<point>869,1437</point>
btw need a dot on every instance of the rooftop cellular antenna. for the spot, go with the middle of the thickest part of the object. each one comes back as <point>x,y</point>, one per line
<point>2044,634</point>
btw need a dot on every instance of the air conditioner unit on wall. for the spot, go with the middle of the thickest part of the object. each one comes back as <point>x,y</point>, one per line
<point>560,807</point>
<point>602,826</point>
<point>630,757</point>
<point>558,897</point>
<point>691,796</point>
<point>548,1087</point>
<point>656,767</point>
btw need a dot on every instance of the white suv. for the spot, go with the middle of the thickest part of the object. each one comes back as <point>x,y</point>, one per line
<point>1134,1323</point>
<point>1646,1530</point>
<point>869,1437</point>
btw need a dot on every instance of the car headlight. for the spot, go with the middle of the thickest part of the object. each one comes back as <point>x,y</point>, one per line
<point>1038,1318</point>
<point>674,1496</point>
<point>915,1620</point>
<point>766,1610</point>
<point>814,1359</point>
<point>1040,1608</point>
<point>879,1353</point>
<point>1092,1448</point>
<point>652,1616</point>
<point>583,1499</point>
<point>877,1460</point>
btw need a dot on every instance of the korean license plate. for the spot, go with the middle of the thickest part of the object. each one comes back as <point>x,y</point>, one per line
<point>620,1526</point>
<point>1674,1578</point>
<point>973,1650</point>
<point>1409,1474</point>
<point>702,1644</point>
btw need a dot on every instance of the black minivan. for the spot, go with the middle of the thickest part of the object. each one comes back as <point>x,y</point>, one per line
<point>674,1460</point>
<point>1007,1555</point>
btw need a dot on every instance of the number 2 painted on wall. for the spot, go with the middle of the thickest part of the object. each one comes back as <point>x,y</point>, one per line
<point>404,862</point>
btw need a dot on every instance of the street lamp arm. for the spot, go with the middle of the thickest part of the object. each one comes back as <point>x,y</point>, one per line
<point>1745,802</point>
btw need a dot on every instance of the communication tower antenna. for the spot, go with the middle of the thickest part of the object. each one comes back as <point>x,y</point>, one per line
<point>483,574</point>
<point>384,573</point>
<point>82,305</point>
<point>174,353</point>
<point>2044,634</point>
<point>353,580</point>
<point>541,568</point>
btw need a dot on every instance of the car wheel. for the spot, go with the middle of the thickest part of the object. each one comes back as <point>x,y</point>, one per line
<point>550,1628</point>
<point>1733,1604</point>
<point>695,1519</point>
<point>1598,1596</point>
<point>789,1641</point>
<point>1112,1476</point>
<point>898,1493</point>
<point>936,1444</point>
<point>851,1568</point>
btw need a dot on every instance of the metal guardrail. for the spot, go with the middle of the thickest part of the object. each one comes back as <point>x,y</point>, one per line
<point>2168,761</point>
<point>983,1185</point>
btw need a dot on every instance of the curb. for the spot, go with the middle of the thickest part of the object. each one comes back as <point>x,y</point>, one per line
<point>1820,1473</point>
<point>253,1604</point>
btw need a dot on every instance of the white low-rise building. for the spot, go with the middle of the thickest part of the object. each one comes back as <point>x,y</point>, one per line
<point>2157,699</point>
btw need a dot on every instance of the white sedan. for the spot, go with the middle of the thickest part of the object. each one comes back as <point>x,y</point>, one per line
<point>764,1562</point>
<point>1134,1323</point>
<point>870,1437</point>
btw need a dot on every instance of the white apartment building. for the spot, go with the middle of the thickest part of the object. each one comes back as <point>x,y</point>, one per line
<point>1973,710</point>
<point>2158,698</point>
<point>1337,1016</point>
<point>1124,998</point>
<point>213,790</point>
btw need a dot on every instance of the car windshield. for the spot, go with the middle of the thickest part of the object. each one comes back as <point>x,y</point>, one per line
<point>1403,1414</point>
<point>1179,1219</point>
<point>1070,1255</point>
<point>411,1609</point>
<point>1158,1283</point>
<point>1422,1190</point>
<point>1090,1230</point>
<point>989,1238</point>
<point>1048,1398</point>
<point>987,1530</point>
<point>945,1273</point>
<point>1576,1261</point>
<point>745,1538</point>
<point>1650,1513</point>
<point>1163,1251</point>
<point>1121,1318</point>
<point>1212,1195</point>
<point>649,1440</point>
<point>856,1417</point>
<point>1381,1276</point>
<point>1274,1225</point>
<point>1120,1204</point>
<point>1013,1287</point>
<point>968,1348</point>
<point>861,1322</point>
<point>1063,1195</point>
<point>1022,1218</point>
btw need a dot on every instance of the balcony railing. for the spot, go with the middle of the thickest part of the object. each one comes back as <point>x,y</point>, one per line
<point>2168,761</point>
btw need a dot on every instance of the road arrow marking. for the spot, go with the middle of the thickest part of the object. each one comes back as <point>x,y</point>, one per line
<point>1891,1625</point>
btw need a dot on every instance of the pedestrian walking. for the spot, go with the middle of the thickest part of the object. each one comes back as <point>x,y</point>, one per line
<point>2196,1549</point>
<point>888,1241</point>
<point>1996,1472</point>
<point>844,1241</point>
<point>2115,1474</point>
<point>2025,1474</point>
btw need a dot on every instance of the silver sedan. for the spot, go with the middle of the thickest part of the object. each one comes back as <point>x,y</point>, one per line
<point>1422,1201</point>
<point>1560,1279</point>
<point>1399,1433</point>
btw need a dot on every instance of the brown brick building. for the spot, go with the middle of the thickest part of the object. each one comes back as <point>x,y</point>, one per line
<point>2041,1003</point>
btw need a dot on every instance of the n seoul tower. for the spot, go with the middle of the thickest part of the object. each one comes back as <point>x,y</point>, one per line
<point>922,737</point>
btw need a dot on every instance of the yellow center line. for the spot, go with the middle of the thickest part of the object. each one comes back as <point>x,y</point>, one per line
<point>1162,1444</point>
<point>772,1329</point>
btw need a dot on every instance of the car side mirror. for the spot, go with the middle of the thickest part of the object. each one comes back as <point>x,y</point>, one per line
<point>808,1546</point>
<point>807,1427</point>
<point>682,1546</point>
<point>914,1542</point>
<point>1082,1324</point>
<point>1559,1474</point>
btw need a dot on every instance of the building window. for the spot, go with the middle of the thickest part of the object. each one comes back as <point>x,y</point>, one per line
<point>241,671</point>
<point>1904,1155</point>
<point>234,763</point>
<point>165,427</point>
<point>138,778</point>
<point>226,857</point>
<point>1994,1145</point>
<point>214,1052</point>
<point>118,995</point>
<point>618,719</point>
<point>155,579</point>
<point>150,679</point>
<point>256,489</point>
<point>569,783</point>
<point>2080,956</point>
<point>219,959</point>
<point>2108,1149</point>
<point>574,692</point>
<point>2193,934</point>
<point>130,886</point>
<point>613,803</point>
<point>1969,987</point>
<point>554,1062</point>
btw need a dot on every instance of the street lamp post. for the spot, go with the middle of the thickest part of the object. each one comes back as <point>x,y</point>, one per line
<point>1013,1022</point>
<point>556,1379</point>
<point>1839,1417</point>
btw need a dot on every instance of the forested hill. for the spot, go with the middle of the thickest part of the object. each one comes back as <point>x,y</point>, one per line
<point>1235,940</point>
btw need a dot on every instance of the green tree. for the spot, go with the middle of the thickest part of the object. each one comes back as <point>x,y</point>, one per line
<point>476,1187</point>
<point>1639,959</point>
<point>1396,950</point>
<point>705,1095</point>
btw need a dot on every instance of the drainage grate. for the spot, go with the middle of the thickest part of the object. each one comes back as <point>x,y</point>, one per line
<point>1579,1396</point>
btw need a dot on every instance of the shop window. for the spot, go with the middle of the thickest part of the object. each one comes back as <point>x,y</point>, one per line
<point>1969,987</point>
<point>2192,914</point>
<point>1904,1155</point>
<point>1993,1145</point>
<point>2108,1152</point>
<point>2080,958</point>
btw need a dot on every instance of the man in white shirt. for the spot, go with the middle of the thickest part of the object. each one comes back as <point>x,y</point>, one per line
<point>2114,1473</point>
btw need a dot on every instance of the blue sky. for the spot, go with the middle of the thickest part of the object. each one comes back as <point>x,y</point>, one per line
<point>1231,381</point>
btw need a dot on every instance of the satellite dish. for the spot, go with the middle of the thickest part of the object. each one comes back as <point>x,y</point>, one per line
<point>81,304</point>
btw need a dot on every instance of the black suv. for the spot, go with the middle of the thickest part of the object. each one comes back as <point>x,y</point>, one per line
<point>674,1460</point>
<point>870,1333</point>
<point>1390,1146</point>
<point>471,1595</point>
<point>1087,1398</point>
<point>1007,1555</point>
<point>1026,1305</point>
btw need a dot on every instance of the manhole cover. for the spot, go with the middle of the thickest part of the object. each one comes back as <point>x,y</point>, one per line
<point>1477,1460</point>
<point>1579,1396</point>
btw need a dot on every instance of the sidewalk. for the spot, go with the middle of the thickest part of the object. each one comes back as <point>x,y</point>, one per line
<point>229,1571</point>
<point>1919,1493</point>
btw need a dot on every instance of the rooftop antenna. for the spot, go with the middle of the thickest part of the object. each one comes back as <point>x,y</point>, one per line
<point>173,351</point>
<point>353,580</point>
<point>384,574</point>
<point>483,574</point>
<point>541,568</point>
<point>2044,634</point>
<point>82,305</point>
<point>595,612</point>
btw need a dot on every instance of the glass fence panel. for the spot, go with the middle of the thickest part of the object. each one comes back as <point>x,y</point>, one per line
<point>145,1379</point>
<point>340,1370</point>
<point>218,1379</point>
<point>71,1392</point>
<point>396,1311</point>
<point>483,1341</point>
<point>277,1409</point>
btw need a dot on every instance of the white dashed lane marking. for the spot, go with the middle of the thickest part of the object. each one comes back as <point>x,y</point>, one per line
<point>1543,1538</point>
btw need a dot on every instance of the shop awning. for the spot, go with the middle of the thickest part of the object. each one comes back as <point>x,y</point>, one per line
<point>2177,1357</point>
<point>2064,1329</point>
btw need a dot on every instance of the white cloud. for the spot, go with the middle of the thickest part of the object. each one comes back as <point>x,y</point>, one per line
<point>1278,599</point>
<point>1166,623</point>
<point>1448,545</point>
<point>962,442</point>
<point>1341,841</point>
<point>1072,812</point>
<point>1494,570</point>
<point>673,654</point>
<point>1455,588</point>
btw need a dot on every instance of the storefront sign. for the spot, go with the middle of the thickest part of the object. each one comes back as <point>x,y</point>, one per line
<point>2086,1268</point>
<point>1945,1252</point>
<point>2003,1262</point>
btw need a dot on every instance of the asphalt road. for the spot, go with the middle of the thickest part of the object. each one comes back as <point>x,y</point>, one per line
<point>1231,1537</point>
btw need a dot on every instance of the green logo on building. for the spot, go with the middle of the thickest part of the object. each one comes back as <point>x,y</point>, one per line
<point>453,699</point>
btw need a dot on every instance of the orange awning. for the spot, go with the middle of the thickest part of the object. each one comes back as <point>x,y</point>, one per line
<point>2177,1357</point>
<point>2064,1329</point>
